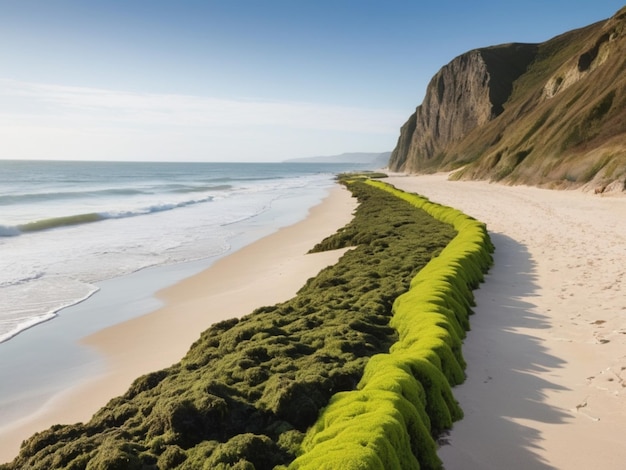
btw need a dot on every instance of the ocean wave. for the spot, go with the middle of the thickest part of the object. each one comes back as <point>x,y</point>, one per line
<point>25,325</point>
<point>245,178</point>
<point>26,198</point>
<point>10,329</point>
<point>47,197</point>
<point>8,231</point>
<point>23,280</point>
<point>185,189</point>
<point>153,208</point>
<point>56,222</point>
<point>91,217</point>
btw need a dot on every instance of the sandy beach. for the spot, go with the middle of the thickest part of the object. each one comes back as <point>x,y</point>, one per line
<point>546,355</point>
<point>266,272</point>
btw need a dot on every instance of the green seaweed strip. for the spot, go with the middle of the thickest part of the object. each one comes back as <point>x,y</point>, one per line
<point>248,389</point>
<point>404,397</point>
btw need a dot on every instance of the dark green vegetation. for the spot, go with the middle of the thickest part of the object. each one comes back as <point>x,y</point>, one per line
<point>404,397</point>
<point>248,389</point>
<point>560,124</point>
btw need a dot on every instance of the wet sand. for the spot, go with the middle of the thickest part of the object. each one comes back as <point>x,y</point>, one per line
<point>265,272</point>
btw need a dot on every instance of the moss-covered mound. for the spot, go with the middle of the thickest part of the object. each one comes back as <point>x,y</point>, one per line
<point>404,397</point>
<point>248,389</point>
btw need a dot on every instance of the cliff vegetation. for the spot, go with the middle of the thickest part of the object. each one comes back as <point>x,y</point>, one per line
<point>550,114</point>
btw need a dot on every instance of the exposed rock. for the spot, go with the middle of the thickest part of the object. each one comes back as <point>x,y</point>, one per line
<point>550,114</point>
<point>465,94</point>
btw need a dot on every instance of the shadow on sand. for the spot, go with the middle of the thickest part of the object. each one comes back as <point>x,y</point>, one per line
<point>507,373</point>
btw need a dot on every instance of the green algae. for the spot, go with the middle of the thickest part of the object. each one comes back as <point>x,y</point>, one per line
<point>419,368</point>
<point>248,390</point>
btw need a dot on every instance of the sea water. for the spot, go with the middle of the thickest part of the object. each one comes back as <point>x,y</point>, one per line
<point>67,226</point>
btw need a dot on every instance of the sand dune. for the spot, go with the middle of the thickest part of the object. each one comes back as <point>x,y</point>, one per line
<point>547,352</point>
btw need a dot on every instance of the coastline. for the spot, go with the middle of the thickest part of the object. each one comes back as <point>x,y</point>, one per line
<point>265,272</point>
<point>544,384</point>
<point>546,366</point>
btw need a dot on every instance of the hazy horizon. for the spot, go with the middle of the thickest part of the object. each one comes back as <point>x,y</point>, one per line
<point>238,81</point>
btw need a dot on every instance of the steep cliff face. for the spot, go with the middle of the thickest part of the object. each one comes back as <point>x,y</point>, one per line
<point>551,114</point>
<point>465,94</point>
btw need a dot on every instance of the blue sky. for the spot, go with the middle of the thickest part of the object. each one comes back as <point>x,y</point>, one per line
<point>239,80</point>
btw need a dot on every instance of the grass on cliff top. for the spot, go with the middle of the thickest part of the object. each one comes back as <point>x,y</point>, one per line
<point>248,389</point>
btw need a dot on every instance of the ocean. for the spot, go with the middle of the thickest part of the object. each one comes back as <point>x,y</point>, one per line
<point>65,227</point>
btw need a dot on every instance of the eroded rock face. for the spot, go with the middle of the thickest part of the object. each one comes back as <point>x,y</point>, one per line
<point>592,56</point>
<point>464,94</point>
<point>549,114</point>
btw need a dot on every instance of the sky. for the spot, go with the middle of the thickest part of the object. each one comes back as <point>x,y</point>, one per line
<point>239,80</point>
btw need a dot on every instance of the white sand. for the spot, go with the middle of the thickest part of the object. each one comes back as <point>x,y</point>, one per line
<point>547,352</point>
<point>266,272</point>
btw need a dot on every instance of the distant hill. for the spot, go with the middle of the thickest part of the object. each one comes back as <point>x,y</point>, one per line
<point>376,160</point>
<point>550,114</point>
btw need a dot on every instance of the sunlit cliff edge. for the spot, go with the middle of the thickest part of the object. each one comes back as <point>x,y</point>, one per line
<point>551,114</point>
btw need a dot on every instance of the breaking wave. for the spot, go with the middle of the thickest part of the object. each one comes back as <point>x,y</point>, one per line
<point>88,218</point>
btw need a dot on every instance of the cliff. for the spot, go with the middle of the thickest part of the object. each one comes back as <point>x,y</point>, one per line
<point>550,114</point>
<point>465,94</point>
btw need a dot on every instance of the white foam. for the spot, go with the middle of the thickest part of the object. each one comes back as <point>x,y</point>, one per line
<point>8,231</point>
<point>45,271</point>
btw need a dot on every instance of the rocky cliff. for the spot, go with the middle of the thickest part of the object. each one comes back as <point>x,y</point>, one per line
<point>550,114</point>
<point>465,94</point>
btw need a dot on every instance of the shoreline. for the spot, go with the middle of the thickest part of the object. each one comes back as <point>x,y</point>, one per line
<point>546,367</point>
<point>265,272</point>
